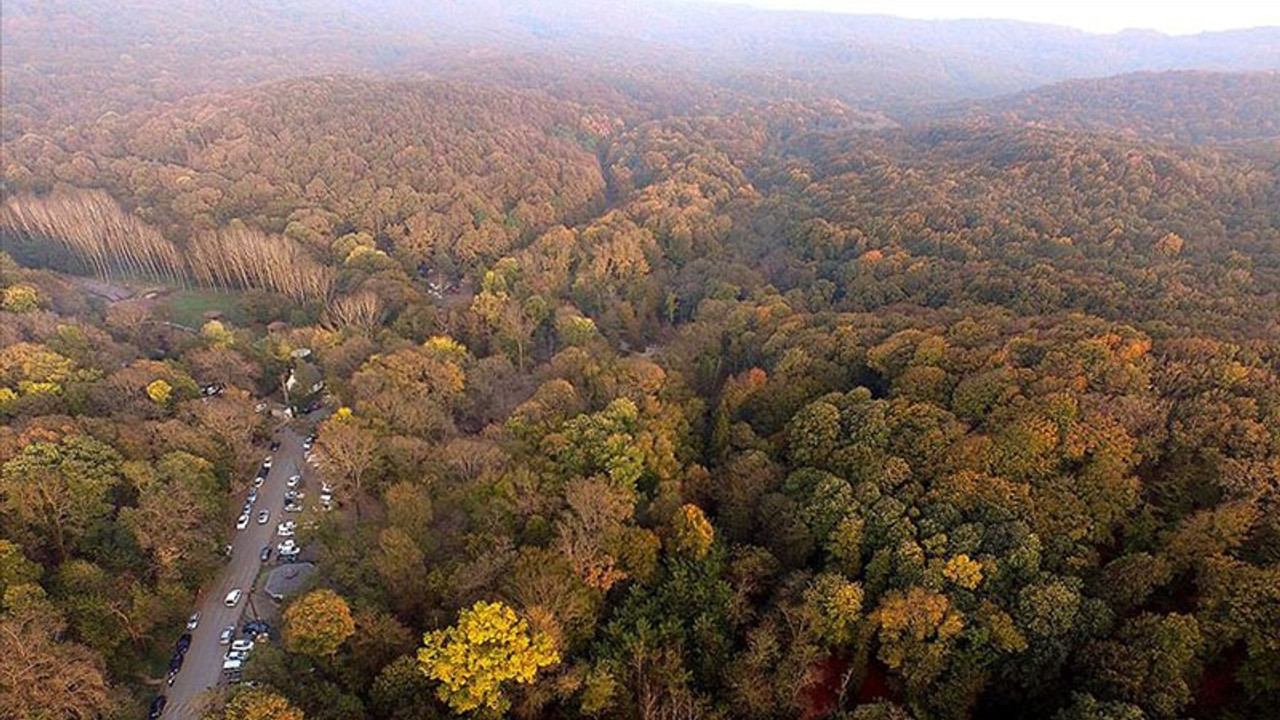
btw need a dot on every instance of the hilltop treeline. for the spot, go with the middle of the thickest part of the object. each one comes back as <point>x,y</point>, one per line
<point>1186,107</point>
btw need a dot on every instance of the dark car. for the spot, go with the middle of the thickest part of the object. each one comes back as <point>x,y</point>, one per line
<point>256,627</point>
<point>275,445</point>
<point>157,707</point>
<point>265,555</point>
<point>184,642</point>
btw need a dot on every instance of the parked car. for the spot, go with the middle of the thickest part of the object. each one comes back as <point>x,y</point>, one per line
<point>293,507</point>
<point>265,554</point>
<point>175,666</point>
<point>228,632</point>
<point>256,628</point>
<point>157,707</point>
<point>194,620</point>
<point>253,496</point>
<point>233,598</point>
<point>267,463</point>
<point>264,516</point>
<point>242,646</point>
<point>231,664</point>
<point>275,445</point>
<point>294,480</point>
<point>258,480</point>
<point>286,528</point>
<point>287,546</point>
<point>242,522</point>
<point>184,643</point>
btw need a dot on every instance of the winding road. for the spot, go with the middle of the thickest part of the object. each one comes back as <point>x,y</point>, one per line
<point>202,669</point>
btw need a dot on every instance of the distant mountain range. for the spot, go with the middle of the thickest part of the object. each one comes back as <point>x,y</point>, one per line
<point>136,52</point>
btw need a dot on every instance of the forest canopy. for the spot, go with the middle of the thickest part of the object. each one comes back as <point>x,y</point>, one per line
<point>719,375</point>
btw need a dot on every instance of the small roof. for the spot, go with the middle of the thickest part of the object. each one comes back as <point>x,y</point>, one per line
<point>289,579</point>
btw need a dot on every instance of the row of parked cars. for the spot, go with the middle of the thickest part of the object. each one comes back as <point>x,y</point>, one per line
<point>264,516</point>
<point>180,649</point>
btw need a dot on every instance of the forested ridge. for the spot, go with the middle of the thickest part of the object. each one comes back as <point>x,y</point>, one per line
<point>654,397</point>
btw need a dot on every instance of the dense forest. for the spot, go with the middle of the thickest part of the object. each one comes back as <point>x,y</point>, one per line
<point>706,387</point>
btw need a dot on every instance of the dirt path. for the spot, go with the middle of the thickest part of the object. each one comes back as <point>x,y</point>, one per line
<point>202,669</point>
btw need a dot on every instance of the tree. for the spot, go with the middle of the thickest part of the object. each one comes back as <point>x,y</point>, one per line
<point>60,489</point>
<point>20,299</point>
<point>317,623</point>
<point>915,629</point>
<point>412,391</point>
<point>15,568</point>
<point>691,533</point>
<point>1151,663</point>
<point>402,692</point>
<point>42,677</point>
<point>160,391</point>
<point>348,451</point>
<point>178,500</point>
<point>259,704</point>
<point>489,646</point>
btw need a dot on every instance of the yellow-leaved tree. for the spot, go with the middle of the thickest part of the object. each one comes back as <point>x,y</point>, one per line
<point>257,704</point>
<point>490,645</point>
<point>317,623</point>
<point>160,391</point>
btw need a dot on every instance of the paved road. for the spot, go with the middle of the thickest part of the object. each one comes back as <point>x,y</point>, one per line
<point>202,668</point>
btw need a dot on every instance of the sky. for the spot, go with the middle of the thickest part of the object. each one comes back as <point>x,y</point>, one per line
<point>1175,17</point>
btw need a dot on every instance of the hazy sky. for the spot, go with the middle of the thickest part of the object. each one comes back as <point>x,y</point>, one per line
<point>1170,16</point>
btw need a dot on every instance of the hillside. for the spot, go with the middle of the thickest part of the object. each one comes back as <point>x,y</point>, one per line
<point>1187,107</point>
<point>423,168</point>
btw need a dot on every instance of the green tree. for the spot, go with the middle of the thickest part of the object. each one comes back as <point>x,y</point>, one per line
<point>178,500</point>
<point>60,489</point>
<point>489,646</point>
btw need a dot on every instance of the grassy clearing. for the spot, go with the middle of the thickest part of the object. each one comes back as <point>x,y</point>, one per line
<point>187,307</point>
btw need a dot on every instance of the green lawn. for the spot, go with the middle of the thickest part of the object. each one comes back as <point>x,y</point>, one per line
<point>187,307</point>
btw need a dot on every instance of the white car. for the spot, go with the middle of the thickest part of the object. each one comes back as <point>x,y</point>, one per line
<point>193,621</point>
<point>263,517</point>
<point>252,497</point>
<point>229,664</point>
<point>228,632</point>
<point>242,522</point>
<point>242,646</point>
<point>267,463</point>
<point>294,480</point>
<point>233,598</point>
<point>257,481</point>
<point>283,531</point>
<point>326,487</point>
<point>288,547</point>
